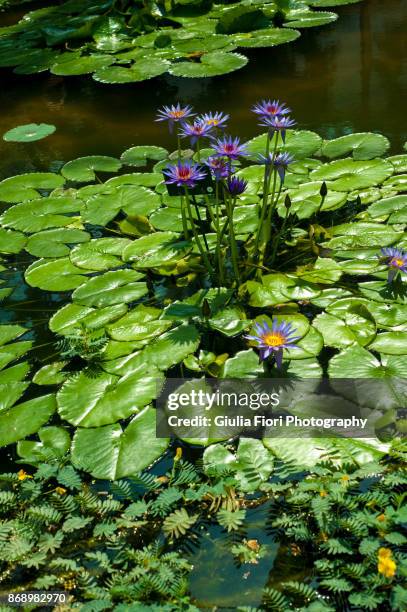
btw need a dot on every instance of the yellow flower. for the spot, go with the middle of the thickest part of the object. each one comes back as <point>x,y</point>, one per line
<point>323,493</point>
<point>60,491</point>
<point>23,475</point>
<point>345,478</point>
<point>178,454</point>
<point>387,567</point>
<point>381,517</point>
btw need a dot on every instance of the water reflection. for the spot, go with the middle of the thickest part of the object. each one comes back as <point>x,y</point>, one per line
<point>347,76</point>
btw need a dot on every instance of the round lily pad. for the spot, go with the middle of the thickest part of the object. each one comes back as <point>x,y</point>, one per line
<point>362,146</point>
<point>83,169</point>
<point>211,64</point>
<point>111,453</point>
<point>29,132</point>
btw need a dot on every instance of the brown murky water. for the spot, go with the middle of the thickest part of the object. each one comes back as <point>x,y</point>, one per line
<point>348,76</point>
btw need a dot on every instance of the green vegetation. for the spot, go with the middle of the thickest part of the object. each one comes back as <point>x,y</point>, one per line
<point>122,545</point>
<point>124,41</point>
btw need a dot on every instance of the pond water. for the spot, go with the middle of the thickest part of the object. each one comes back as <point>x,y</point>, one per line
<point>348,76</point>
<point>341,78</point>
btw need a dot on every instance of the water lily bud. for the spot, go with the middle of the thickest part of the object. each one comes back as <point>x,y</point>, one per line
<point>287,202</point>
<point>324,190</point>
<point>206,309</point>
<point>358,201</point>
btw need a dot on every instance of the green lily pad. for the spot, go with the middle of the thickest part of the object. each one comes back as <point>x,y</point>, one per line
<point>111,453</point>
<point>245,364</point>
<point>348,174</point>
<point>100,254</point>
<point>132,199</point>
<point>390,343</point>
<point>117,287</point>
<point>211,64</point>
<point>81,65</point>
<point>138,156</point>
<point>308,347</point>
<point>357,362</point>
<point>25,419</point>
<point>139,325</point>
<point>70,318</point>
<point>52,439</point>
<point>387,206</point>
<point>380,291</point>
<point>344,332</point>
<point>365,145</point>
<point>399,162</point>
<point>40,214</point>
<point>83,169</point>
<point>24,186</point>
<point>324,272</point>
<point>269,37</point>
<point>106,399</point>
<point>54,242</point>
<point>170,348</point>
<point>14,373</point>
<point>300,143</point>
<point>310,19</point>
<point>11,242</point>
<point>323,3</point>
<point>29,132</point>
<point>51,374</point>
<point>230,322</point>
<point>54,275</point>
<point>156,250</point>
<point>362,235</point>
<point>143,69</point>
<point>10,393</point>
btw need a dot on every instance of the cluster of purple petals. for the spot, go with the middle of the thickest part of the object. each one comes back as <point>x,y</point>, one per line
<point>395,259</point>
<point>284,329</point>
<point>228,149</point>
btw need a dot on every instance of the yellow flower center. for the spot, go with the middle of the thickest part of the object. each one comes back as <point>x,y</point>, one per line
<point>177,114</point>
<point>273,339</point>
<point>396,261</point>
<point>212,122</point>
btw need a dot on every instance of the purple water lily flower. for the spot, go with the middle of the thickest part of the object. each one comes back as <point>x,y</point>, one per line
<point>268,108</point>
<point>272,340</point>
<point>396,260</point>
<point>229,147</point>
<point>236,186</point>
<point>184,174</point>
<point>195,130</point>
<point>278,124</point>
<point>218,167</point>
<point>280,162</point>
<point>174,114</point>
<point>215,120</point>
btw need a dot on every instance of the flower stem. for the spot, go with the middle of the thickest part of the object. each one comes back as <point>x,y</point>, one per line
<point>266,188</point>
<point>230,205</point>
<point>202,251</point>
<point>184,219</point>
